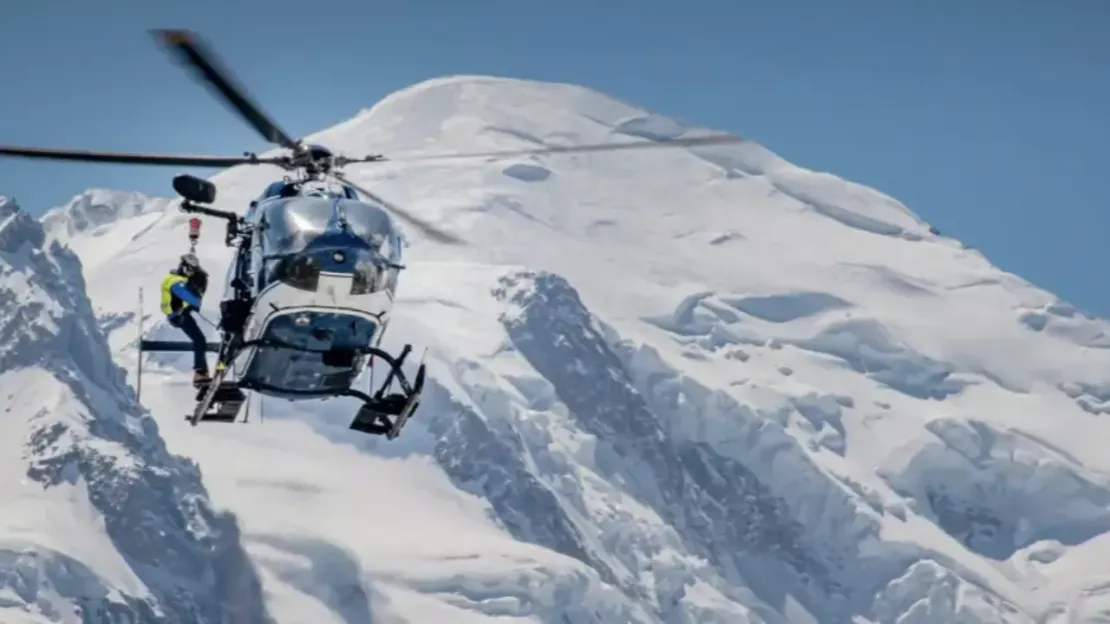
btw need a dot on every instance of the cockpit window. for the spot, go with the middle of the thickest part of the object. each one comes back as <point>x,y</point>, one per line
<point>299,238</point>
<point>369,275</point>
<point>301,271</point>
<point>369,271</point>
<point>292,225</point>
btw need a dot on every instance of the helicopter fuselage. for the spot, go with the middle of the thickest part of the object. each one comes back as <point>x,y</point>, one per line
<point>322,272</point>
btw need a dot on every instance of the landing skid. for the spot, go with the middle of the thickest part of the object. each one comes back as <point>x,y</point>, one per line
<point>386,414</point>
<point>381,414</point>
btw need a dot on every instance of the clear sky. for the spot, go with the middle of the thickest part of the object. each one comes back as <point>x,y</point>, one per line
<point>989,118</point>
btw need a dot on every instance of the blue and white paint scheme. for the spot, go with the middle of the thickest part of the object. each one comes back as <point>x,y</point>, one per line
<point>324,267</point>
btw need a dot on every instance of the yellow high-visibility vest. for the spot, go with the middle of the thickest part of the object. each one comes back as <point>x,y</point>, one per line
<point>167,296</point>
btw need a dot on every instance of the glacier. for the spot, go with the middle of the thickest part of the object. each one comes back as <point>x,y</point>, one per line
<point>688,385</point>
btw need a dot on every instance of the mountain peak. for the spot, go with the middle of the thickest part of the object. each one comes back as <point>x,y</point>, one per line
<point>477,113</point>
<point>8,206</point>
<point>18,228</point>
<point>97,207</point>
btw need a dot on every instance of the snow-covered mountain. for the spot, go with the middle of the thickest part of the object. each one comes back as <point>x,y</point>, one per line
<point>89,215</point>
<point>689,385</point>
<point>99,522</point>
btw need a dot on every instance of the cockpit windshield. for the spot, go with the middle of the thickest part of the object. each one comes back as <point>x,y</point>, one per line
<point>302,237</point>
<point>291,225</point>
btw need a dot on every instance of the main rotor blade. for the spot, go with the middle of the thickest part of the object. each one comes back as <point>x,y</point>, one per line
<point>131,158</point>
<point>189,49</point>
<point>428,229</point>
<point>716,139</point>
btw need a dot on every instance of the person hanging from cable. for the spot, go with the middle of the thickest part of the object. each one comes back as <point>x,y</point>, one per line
<point>182,292</point>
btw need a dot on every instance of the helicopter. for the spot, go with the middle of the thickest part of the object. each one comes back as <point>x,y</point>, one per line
<point>310,290</point>
<point>307,299</point>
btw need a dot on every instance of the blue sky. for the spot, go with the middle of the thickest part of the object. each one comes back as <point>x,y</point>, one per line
<point>989,118</point>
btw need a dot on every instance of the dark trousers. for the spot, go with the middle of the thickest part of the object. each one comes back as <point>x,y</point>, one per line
<point>187,324</point>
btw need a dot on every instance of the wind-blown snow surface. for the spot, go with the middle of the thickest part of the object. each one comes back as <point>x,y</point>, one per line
<point>98,523</point>
<point>691,385</point>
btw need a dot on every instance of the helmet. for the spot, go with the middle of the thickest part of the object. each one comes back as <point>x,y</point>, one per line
<point>190,261</point>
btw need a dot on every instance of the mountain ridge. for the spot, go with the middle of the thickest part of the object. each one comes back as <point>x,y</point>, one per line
<point>82,457</point>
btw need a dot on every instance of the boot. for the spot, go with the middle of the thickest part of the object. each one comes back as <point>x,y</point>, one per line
<point>201,378</point>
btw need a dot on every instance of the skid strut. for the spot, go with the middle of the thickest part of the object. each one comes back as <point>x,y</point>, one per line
<point>386,414</point>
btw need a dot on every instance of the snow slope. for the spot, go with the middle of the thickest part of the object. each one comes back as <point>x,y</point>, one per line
<point>692,385</point>
<point>99,523</point>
